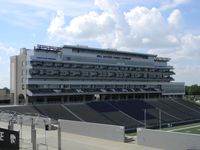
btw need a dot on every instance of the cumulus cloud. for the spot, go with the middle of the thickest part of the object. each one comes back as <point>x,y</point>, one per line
<point>90,26</point>
<point>56,23</point>
<point>185,58</point>
<point>133,30</point>
<point>175,18</point>
<point>138,28</point>
<point>187,50</point>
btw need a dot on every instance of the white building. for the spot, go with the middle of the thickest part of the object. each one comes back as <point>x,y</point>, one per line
<point>79,73</point>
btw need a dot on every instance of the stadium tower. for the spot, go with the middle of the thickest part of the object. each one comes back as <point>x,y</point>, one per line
<point>48,74</point>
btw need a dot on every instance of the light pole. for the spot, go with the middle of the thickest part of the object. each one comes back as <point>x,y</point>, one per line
<point>160,119</point>
<point>145,118</point>
<point>33,134</point>
<point>59,135</point>
<point>45,134</point>
<point>21,123</point>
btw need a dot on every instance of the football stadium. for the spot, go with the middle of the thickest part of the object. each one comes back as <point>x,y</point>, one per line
<point>78,97</point>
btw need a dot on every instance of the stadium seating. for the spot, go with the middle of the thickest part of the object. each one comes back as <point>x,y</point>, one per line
<point>55,111</point>
<point>135,109</point>
<point>21,109</point>
<point>169,110</point>
<point>115,115</point>
<point>88,114</point>
<point>128,113</point>
<point>189,105</point>
<point>188,113</point>
<point>165,118</point>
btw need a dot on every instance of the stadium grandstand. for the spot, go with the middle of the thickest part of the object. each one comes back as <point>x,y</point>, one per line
<point>48,74</point>
<point>128,113</point>
<point>103,86</point>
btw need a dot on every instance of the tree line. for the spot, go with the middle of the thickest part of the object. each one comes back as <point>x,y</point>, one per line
<point>192,90</point>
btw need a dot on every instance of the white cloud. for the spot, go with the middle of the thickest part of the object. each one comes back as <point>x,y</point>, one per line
<point>26,19</point>
<point>71,8</point>
<point>105,5</point>
<point>5,53</point>
<point>35,14</point>
<point>146,40</point>
<point>172,4</point>
<point>175,18</point>
<point>185,58</point>
<point>56,23</point>
<point>7,50</point>
<point>187,49</point>
<point>189,73</point>
<point>136,29</point>
<point>90,26</point>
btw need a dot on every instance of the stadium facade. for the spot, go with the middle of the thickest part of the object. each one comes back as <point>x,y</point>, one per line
<point>48,74</point>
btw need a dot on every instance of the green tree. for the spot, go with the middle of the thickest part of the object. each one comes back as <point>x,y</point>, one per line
<point>194,90</point>
<point>7,90</point>
<point>187,90</point>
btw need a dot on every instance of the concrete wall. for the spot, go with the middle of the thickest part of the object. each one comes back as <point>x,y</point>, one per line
<point>167,140</point>
<point>103,131</point>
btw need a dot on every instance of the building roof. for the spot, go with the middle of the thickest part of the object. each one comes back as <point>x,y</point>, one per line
<point>106,50</point>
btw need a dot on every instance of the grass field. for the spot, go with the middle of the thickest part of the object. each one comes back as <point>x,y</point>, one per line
<point>192,130</point>
<point>189,128</point>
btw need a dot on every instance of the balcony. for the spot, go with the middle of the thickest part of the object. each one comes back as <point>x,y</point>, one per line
<point>34,72</point>
<point>36,63</point>
<point>48,64</point>
<point>93,74</point>
<point>58,65</point>
<point>66,65</point>
<point>75,73</point>
<point>111,74</point>
<point>64,73</point>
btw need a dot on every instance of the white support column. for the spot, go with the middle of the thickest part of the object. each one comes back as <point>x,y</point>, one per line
<point>59,136</point>
<point>33,134</point>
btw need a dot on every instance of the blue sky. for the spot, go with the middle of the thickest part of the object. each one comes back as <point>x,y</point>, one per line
<point>169,28</point>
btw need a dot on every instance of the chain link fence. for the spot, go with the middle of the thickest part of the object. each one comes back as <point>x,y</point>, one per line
<point>20,122</point>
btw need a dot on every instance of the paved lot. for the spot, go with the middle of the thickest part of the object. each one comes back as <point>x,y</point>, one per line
<point>71,141</point>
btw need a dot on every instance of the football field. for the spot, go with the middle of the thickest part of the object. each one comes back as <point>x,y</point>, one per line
<point>191,128</point>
